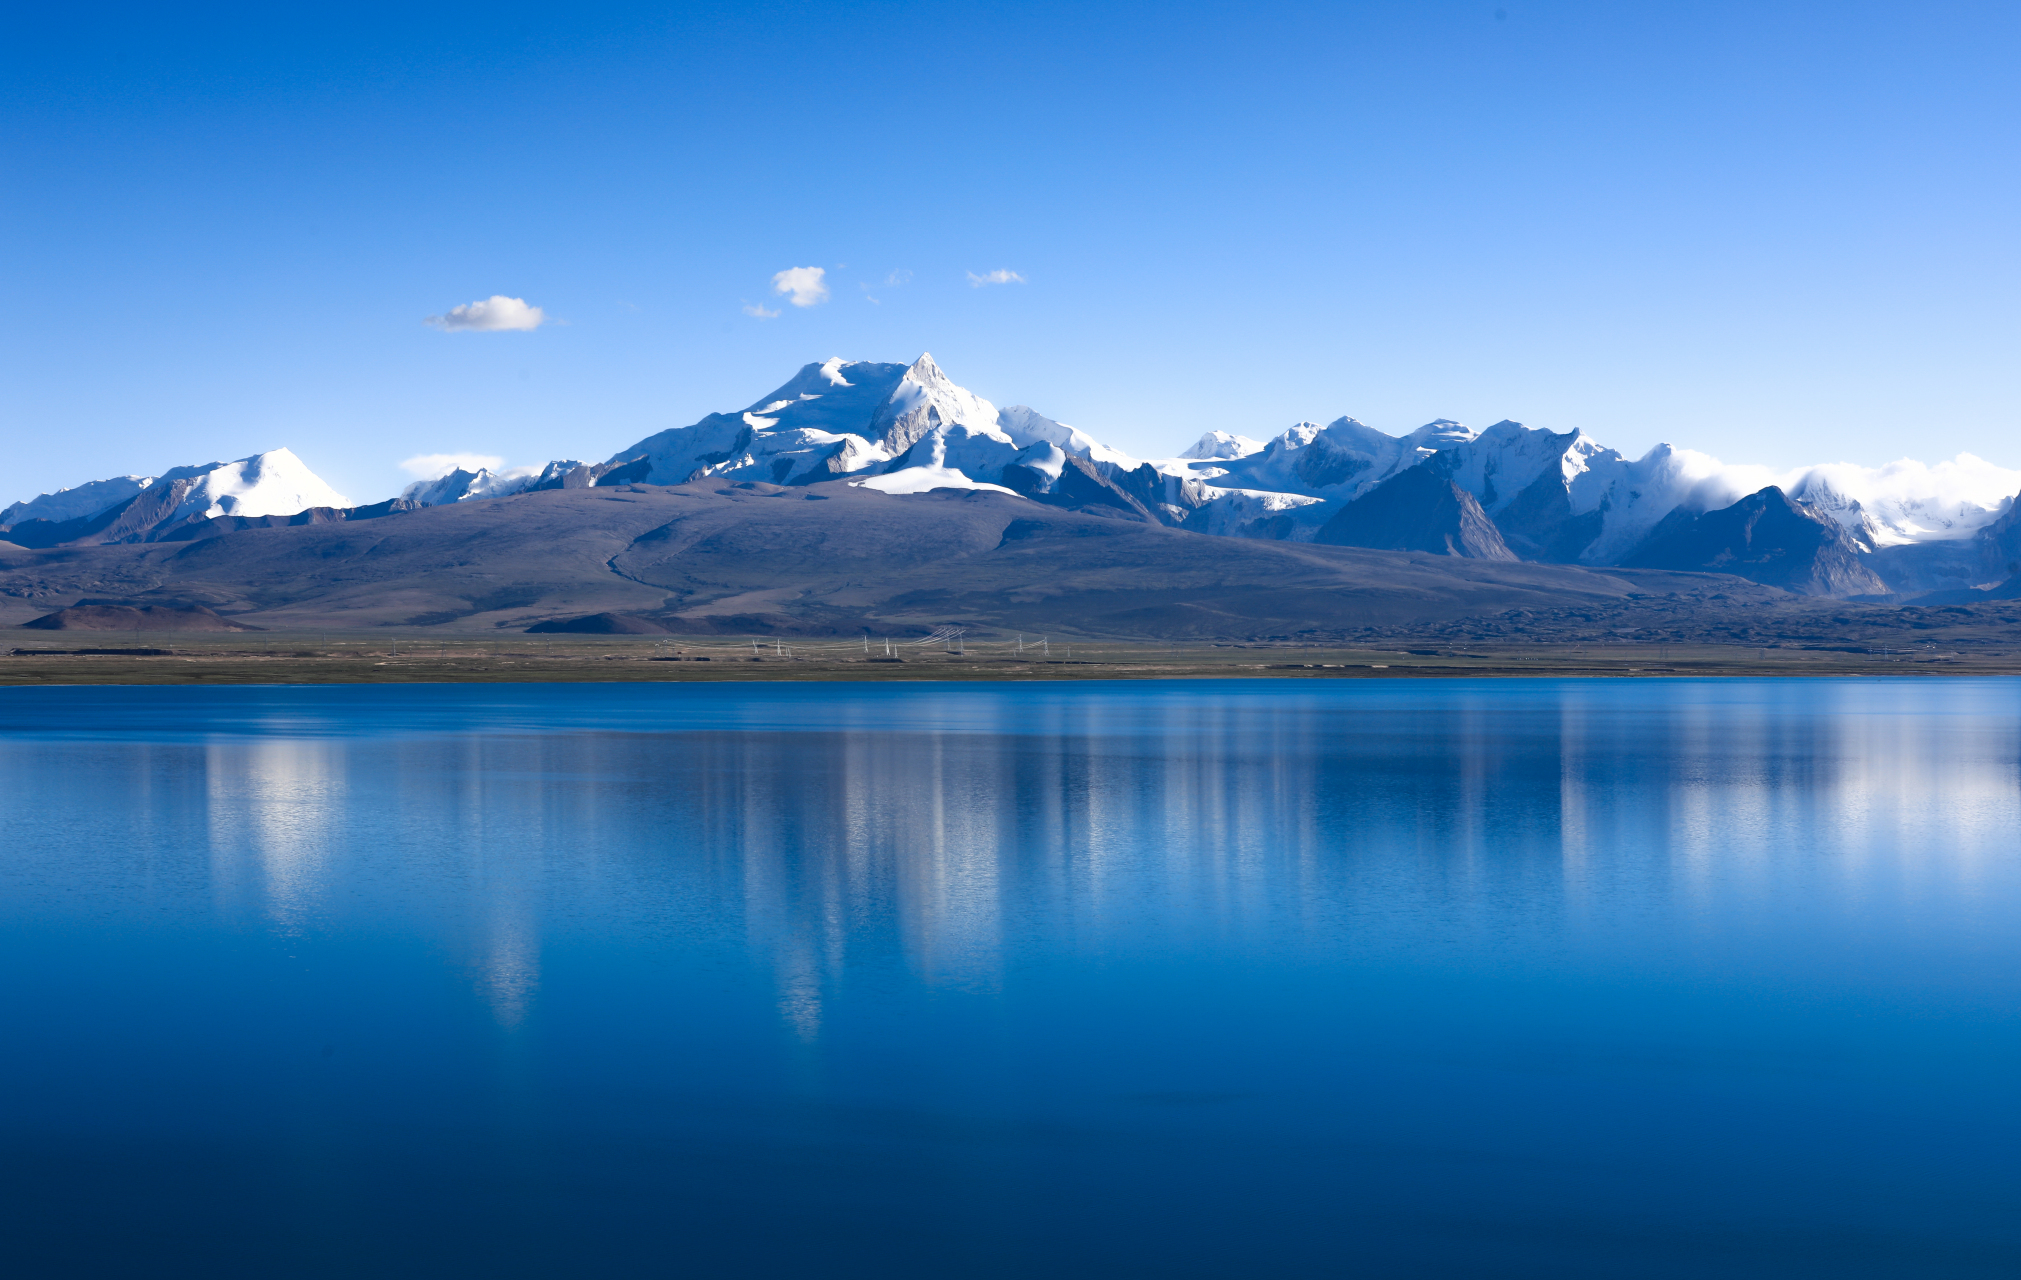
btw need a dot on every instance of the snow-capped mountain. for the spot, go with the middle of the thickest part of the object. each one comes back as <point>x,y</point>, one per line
<point>1222,444</point>
<point>463,486</point>
<point>71,504</point>
<point>899,428</point>
<point>1566,497</point>
<point>905,429</point>
<point>147,508</point>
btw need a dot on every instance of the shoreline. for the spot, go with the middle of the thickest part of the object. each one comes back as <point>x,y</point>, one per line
<point>279,660</point>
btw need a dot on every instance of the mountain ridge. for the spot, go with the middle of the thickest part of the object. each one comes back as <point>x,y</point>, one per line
<point>828,558</point>
<point>905,428</point>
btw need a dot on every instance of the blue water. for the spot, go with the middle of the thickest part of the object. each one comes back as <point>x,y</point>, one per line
<point>1263,979</point>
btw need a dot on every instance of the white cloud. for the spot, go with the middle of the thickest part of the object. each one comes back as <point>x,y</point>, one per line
<point>490,315</point>
<point>898,277</point>
<point>431,466</point>
<point>757,309</point>
<point>802,286</point>
<point>998,276</point>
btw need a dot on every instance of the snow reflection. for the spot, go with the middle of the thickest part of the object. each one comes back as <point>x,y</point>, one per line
<point>935,852</point>
<point>277,813</point>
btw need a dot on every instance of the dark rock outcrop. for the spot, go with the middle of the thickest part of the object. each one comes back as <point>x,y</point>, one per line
<point>215,525</point>
<point>1539,523</point>
<point>1419,510</point>
<point>1999,544</point>
<point>1766,538</point>
<point>599,624</point>
<point>119,617</point>
<point>1081,487</point>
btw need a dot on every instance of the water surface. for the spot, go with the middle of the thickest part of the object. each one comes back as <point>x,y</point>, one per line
<point>1513,978</point>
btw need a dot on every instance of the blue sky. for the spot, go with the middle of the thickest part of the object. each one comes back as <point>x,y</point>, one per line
<point>1778,233</point>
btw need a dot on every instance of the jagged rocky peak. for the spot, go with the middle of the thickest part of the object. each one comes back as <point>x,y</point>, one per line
<point>1419,509</point>
<point>835,418</point>
<point>566,473</point>
<point>926,399</point>
<point>1767,538</point>
<point>1340,460</point>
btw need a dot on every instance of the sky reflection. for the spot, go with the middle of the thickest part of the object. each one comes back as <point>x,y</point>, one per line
<point>1611,937</point>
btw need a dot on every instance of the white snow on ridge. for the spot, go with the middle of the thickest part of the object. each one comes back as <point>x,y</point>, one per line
<point>1221,444</point>
<point>70,504</point>
<point>462,486</point>
<point>905,429</point>
<point>1907,500</point>
<point>1290,517</point>
<point>1028,427</point>
<point>274,483</point>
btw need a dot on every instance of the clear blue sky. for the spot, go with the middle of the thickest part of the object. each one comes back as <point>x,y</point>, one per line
<point>1780,233</point>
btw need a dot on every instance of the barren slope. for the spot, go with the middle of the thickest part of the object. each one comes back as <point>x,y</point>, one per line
<point>824,559</point>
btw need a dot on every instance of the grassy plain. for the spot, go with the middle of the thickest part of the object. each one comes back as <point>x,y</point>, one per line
<point>333,658</point>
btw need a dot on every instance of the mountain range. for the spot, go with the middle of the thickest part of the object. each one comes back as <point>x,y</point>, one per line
<point>855,433</point>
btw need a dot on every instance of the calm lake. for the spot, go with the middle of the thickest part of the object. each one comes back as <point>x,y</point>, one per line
<point>1216,979</point>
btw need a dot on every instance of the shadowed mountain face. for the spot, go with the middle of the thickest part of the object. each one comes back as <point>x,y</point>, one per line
<point>1999,544</point>
<point>1420,510</point>
<point>1080,487</point>
<point>599,624</point>
<point>1766,538</point>
<point>826,559</point>
<point>100,617</point>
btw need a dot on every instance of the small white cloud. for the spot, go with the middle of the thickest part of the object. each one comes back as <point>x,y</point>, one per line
<point>490,315</point>
<point>867,295</point>
<point>802,286</point>
<point>999,276</point>
<point>757,309</point>
<point>430,466</point>
<point>898,277</point>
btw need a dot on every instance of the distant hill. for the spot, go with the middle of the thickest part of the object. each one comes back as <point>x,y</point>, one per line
<point>829,558</point>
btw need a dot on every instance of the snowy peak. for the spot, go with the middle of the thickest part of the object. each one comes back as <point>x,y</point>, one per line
<point>923,400</point>
<point>840,418</point>
<point>144,509</point>
<point>86,499</point>
<point>1221,444</point>
<point>274,483</point>
<point>1439,433</point>
<point>1340,460</point>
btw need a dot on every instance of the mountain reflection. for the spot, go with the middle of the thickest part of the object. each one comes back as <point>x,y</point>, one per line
<point>962,837</point>
<point>505,973</point>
